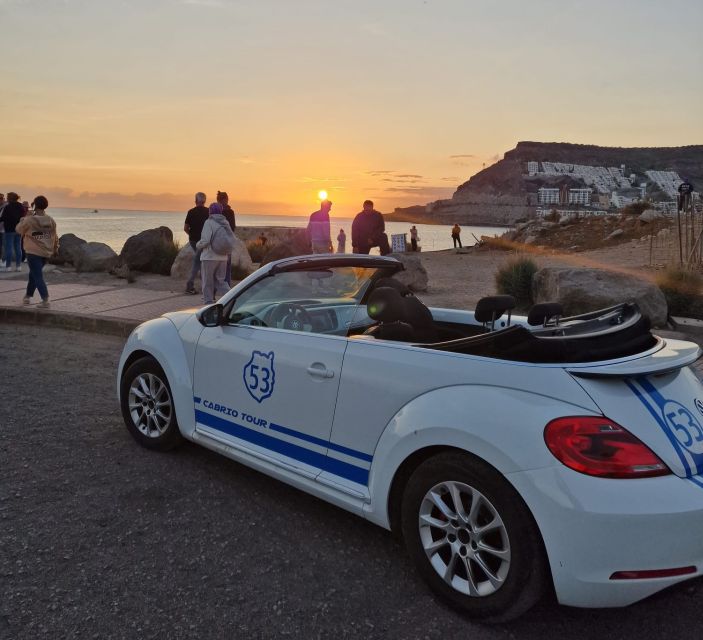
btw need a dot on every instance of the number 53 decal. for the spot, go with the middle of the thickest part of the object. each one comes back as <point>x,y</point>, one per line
<point>685,426</point>
<point>259,375</point>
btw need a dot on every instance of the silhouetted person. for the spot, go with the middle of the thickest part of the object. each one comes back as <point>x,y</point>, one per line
<point>368,230</point>
<point>456,235</point>
<point>685,194</point>
<point>341,241</point>
<point>413,238</point>
<point>228,213</point>
<point>12,242</point>
<point>319,228</point>
<point>193,226</point>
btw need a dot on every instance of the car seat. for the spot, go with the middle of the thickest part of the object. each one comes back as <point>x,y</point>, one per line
<point>400,315</point>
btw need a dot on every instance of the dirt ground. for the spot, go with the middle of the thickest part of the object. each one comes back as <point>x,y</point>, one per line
<point>456,279</point>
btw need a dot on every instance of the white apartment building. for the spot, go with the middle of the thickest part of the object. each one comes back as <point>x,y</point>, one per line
<point>532,167</point>
<point>546,195</point>
<point>580,196</point>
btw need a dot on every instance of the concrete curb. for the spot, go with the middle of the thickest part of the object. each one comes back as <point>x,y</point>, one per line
<point>74,321</point>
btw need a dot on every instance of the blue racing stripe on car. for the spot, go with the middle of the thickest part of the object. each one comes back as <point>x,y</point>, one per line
<point>697,481</point>
<point>323,443</point>
<point>659,419</point>
<point>288,449</point>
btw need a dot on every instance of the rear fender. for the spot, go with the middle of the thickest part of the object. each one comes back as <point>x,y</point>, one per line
<point>502,426</point>
<point>160,339</point>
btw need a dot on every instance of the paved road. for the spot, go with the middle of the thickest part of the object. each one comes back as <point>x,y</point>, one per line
<point>102,539</point>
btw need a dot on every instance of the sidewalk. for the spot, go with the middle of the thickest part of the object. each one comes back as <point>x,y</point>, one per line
<point>114,309</point>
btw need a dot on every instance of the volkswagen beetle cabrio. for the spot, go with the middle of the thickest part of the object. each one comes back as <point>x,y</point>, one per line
<point>511,453</point>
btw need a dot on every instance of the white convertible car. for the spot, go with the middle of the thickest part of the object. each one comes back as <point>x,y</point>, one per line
<point>511,453</point>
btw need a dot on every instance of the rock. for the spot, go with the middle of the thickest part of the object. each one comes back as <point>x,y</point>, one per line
<point>583,290</point>
<point>414,276</point>
<point>145,251</point>
<point>122,271</point>
<point>68,245</point>
<point>241,262</point>
<point>650,215</point>
<point>616,234</point>
<point>94,256</point>
<point>180,269</point>
<point>299,245</point>
<point>530,240</point>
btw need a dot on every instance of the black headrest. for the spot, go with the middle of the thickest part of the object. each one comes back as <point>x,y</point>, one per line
<point>543,312</point>
<point>385,305</point>
<point>393,284</point>
<point>493,307</point>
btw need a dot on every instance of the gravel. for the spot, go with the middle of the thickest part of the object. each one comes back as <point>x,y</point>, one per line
<point>100,538</point>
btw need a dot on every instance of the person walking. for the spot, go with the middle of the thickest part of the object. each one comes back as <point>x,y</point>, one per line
<point>10,216</point>
<point>368,230</point>
<point>228,213</point>
<point>193,226</point>
<point>216,242</point>
<point>341,241</point>
<point>319,228</point>
<point>2,225</point>
<point>456,235</point>
<point>413,238</point>
<point>38,234</point>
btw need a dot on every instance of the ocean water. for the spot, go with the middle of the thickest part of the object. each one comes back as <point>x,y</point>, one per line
<point>113,226</point>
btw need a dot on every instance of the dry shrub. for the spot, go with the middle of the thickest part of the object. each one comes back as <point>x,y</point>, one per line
<point>682,290</point>
<point>164,257</point>
<point>515,279</point>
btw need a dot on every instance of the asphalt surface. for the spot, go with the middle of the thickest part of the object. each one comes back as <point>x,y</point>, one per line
<point>100,538</point>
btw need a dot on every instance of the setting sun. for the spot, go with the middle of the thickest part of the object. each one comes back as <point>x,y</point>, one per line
<point>322,195</point>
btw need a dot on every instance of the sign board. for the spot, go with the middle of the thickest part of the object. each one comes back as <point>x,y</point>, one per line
<point>398,243</point>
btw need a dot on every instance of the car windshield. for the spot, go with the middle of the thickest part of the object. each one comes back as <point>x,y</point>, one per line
<point>322,300</point>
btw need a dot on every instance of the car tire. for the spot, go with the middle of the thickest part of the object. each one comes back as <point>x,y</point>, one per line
<point>487,561</point>
<point>147,406</point>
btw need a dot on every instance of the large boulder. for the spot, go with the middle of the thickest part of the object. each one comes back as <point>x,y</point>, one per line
<point>650,215</point>
<point>414,276</point>
<point>145,251</point>
<point>241,261</point>
<point>298,245</point>
<point>68,246</point>
<point>583,290</point>
<point>94,256</point>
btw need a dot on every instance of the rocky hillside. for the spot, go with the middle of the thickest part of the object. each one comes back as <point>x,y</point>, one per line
<point>506,176</point>
<point>503,192</point>
<point>587,233</point>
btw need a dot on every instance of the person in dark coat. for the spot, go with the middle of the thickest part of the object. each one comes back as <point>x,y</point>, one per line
<point>228,213</point>
<point>193,226</point>
<point>368,230</point>
<point>11,214</point>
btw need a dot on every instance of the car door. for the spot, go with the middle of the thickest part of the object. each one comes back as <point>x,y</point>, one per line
<point>266,382</point>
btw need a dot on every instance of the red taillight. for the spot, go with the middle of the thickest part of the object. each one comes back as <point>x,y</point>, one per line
<point>600,447</point>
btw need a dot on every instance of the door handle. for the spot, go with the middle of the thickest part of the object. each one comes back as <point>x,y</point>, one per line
<point>319,370</point>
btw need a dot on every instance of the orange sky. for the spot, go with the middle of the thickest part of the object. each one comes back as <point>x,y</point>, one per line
<point>140,104</point>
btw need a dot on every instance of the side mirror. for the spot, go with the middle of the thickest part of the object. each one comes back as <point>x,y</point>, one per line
<point>211,316</point>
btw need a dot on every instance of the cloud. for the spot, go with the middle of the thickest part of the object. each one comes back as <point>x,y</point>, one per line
<point>453,179</point>
<point>326,180</point>
<point>379,173</point>
<point>462,155</point>
<point>400,180</point>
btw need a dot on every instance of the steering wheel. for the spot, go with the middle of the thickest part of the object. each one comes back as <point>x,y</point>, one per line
<point>293,315</point>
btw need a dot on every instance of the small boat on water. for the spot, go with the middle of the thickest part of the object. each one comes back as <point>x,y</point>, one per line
<point>95,211</point>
